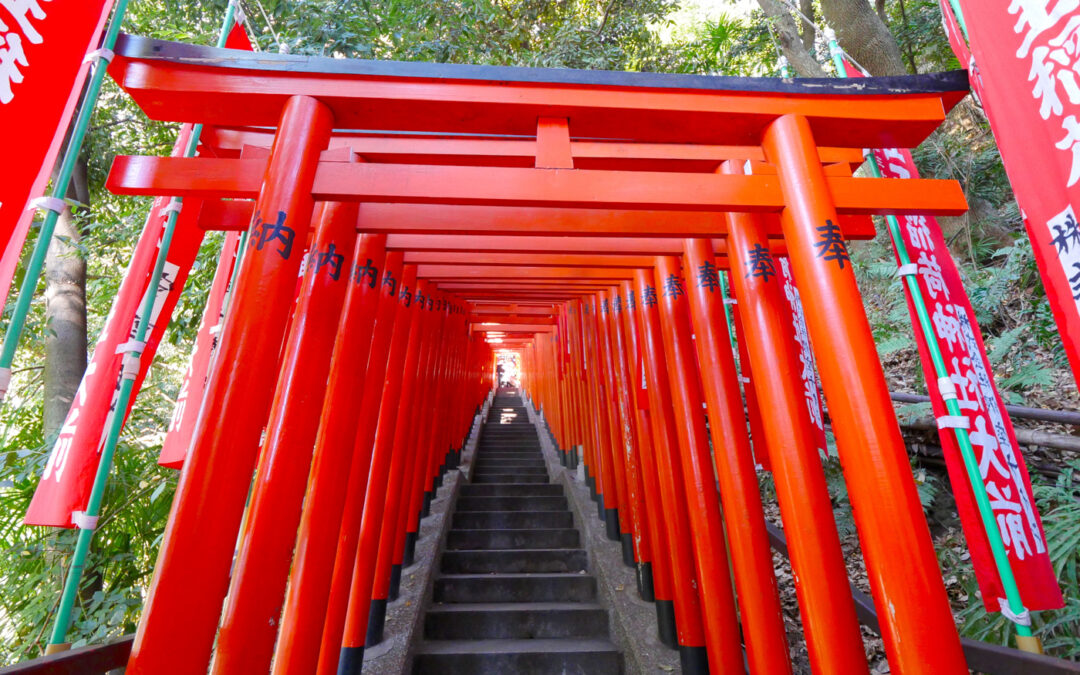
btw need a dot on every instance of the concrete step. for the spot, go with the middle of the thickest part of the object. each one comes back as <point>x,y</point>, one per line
<point>522,436</point>
<point>467,588</point>
<point>510,437</point>
<point>523,470</point>
<point>508,452</point>
<point>516,621</point>
<point>510,478</point>
<point>512,456</point>
<point>513,539</point>
<point>523,657</point>
<point>524,460</point>
<point>511,504</point>
<point>512,520</point>
<point>512,490</point>
<point>543,560</point>
<point>510,465</point>
<point>513,595</point>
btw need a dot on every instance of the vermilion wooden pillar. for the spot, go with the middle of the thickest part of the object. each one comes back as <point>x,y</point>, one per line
<point>586,421</point>
<point>452,438</point>
<point>636,511</point>
<point>917,627</point>
<point>688,612</point>
<point>753,410</point>
<point>654,506</point>
<point>349,472</point>
<point>415,447</point>
<point>563,436</point>
<point>430,432</point>
<point>402,458</point>
<point>463,413</point>
<point>367,320</point>
<point>833,638</point>
<point>558,403</point>
<point>200,537</point>
<point>702,500</point>
<point>404,352</point>
<point>609,494</point>
<point>618,440</point>
<point>558,387</point>
<point>571,382</point>
<point>261,570</point>
<point>744,518</point>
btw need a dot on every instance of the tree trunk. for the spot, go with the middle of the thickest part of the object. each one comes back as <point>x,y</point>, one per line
<point>801,59</point>
<point>65,310</point>
<point>862,33</point>
<point>809,32</point>
<point>910,53</point>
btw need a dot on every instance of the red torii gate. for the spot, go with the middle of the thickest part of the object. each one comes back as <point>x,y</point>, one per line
<point>612,183</point>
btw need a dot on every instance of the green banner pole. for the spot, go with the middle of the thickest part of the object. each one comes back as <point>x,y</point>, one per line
<point>129,372</point>
<point>55,200</point>
<point>959,13</point>
<point>1021,618</point>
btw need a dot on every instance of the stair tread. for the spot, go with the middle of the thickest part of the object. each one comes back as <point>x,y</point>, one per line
<point>524,551</point>
<point>450,607</point>
<point>515,512</point>
<point>503,646</point>
<point>515,575</point>
<point>513,530</point>
<point>485,621</point>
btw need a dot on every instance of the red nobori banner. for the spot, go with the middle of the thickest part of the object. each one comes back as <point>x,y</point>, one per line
<point>43,44</point>
<point>811,388</point>
<point>1028,57</point>
<point>956,41</point>
<point>1000,463</point>
<point>189,400</point>
<point>69,474</point>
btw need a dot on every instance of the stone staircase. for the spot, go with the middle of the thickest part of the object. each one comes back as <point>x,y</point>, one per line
<point>513,593</point>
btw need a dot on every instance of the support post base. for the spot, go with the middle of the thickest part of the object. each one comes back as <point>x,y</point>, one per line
<point>628,549</point>
<point>351,661</point>
<point>395,583</point>
<point>665,623</point>
<point>645,582</point>
<point>1029,643</point>
<point>694,660</point>
<point>376,624</point>
<point>611,523</point>
<point>409,557</point>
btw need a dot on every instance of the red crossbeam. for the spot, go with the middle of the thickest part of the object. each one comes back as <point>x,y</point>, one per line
<point>502,186</point>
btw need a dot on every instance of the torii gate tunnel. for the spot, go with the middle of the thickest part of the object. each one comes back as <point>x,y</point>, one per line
<point>583,218</point>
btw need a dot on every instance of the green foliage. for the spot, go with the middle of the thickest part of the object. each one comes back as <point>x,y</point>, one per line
<point>916,24</point>
<point>1058,501</point>
<point>730,45</point>
<point>571,34</point>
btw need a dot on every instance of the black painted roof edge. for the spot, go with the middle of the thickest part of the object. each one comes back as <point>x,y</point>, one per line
<point>136,47</point>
